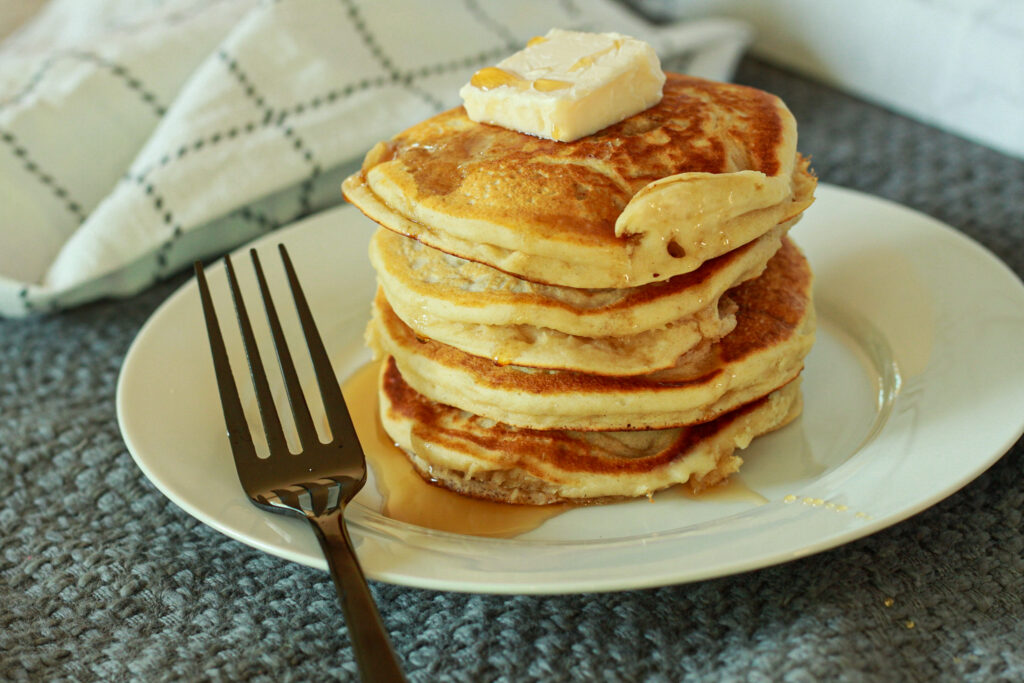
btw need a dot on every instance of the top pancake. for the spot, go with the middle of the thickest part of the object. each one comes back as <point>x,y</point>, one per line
<point>711,167</point>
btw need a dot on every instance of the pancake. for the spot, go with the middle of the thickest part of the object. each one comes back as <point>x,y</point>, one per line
<point>542,348</point>
<point>711,167</point>
<point>485,459</point>
<point>488,313</point>
<point>774,331</point>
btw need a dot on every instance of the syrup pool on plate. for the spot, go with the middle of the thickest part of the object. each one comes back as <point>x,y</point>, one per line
<point>408,498</point>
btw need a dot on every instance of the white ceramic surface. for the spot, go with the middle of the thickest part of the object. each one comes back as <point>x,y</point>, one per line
<point>915,386</point>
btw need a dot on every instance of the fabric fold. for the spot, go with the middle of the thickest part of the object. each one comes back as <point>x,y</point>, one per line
<point>142,139</point>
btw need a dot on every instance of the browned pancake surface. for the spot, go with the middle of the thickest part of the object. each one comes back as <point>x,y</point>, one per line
<point>562,449</point>
<point>483,172</point>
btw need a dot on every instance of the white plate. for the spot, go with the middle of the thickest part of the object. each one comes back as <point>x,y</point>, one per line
<point>914,387</point>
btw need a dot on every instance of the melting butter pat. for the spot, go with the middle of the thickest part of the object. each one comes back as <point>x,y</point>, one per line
<point>566,85</point>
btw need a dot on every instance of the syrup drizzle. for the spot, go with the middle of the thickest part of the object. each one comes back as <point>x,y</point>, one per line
<point>732,490</point>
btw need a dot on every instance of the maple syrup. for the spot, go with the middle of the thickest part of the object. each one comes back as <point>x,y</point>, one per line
<point>492,77</point>
<point>732,490</point>
<point>408,497</point>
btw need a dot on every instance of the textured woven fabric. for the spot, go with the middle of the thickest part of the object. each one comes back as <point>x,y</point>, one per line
<point>102,578</point>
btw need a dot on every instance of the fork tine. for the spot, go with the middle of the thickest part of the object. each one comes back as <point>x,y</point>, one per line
<point>264,398</point>
<point>342,429</point>
<point>300,410</point>
<point>234,417</point>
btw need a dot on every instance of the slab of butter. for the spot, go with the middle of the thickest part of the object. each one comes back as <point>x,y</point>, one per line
<point>566,85</point>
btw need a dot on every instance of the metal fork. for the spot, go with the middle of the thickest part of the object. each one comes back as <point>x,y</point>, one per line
<point>322,478</point>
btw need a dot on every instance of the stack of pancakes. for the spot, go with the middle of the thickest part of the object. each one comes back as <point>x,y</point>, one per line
<point>590,320</point>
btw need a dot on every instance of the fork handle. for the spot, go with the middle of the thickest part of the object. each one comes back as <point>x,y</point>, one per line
<point>374,655</point>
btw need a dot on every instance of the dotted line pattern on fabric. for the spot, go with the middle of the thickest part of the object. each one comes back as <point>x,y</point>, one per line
<point>328,98</point>
<point>122,72</point>
<point>298,144</point>
<point>173,18</point>
<point>29,164</point>
<point>369,39</point>
<point>496,27</point>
